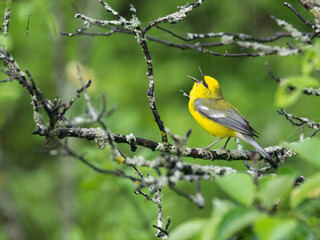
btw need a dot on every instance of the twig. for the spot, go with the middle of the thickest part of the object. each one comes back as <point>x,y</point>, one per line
<point>175,169</point>
<point>160,233</point>
<point>307,22</point>
<point>118,173</point>
<point>306,91</point>
<point>168,223</point>
<point>312,91</point>
<point>199,46</point>
<point>110,10</point>
<point>150,91</point>
<point>300,121</point>
<point>174,17</point>
<point>164,232</point>
<point>28,25</point>
<point>198,198</point>
<point>276,79</point>
<point>7,14</point>
<point>93,133</point>
<point>184,93</point>
<point>246,41</point>
<point>86,25</point>
<point>296,34</point>
<point>84,87</point>
<point>92,21</point>
<point>227,37</point>
<point>138,191</point>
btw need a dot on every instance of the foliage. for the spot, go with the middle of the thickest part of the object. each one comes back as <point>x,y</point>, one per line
<point>275,209</point>
<point>291,88</point>
<point>46,195</point>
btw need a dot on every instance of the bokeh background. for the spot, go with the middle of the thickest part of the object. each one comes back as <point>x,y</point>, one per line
<point>49,197</point>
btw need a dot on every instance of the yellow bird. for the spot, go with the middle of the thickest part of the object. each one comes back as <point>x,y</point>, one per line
<point>218,117</point>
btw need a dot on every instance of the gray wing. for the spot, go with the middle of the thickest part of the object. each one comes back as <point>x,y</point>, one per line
<point>230,118</point>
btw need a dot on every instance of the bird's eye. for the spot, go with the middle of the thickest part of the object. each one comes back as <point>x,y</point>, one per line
<point>205,84</point>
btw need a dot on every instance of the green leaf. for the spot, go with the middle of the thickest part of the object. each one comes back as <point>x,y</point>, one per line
<point>236,220</point>
<point>219,210</point>
<point>290,89</point>
<point>272,228</point>
<point>187,230</point>
<point>310,189</point>
<point>308,150</point>
<point>238,186</point>
<point>273,189</point>
<point>306,68</point>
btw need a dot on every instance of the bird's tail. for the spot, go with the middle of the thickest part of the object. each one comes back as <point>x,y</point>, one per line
<point>250,140</point>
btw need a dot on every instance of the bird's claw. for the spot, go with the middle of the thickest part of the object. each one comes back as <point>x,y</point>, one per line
<point>223,150</point>
<point>208,151</point>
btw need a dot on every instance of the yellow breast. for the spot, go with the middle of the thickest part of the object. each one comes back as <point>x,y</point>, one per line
<point>209,125</point>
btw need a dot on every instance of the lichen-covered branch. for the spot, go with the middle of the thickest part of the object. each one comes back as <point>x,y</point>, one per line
<point>169,167</point>
<point>312,91</point>
<point>251,46</point>
<point>309,23</point>
<point>100,137</point>
<point>174,17</point>
<point>301,121</point>
<point>7,14</point>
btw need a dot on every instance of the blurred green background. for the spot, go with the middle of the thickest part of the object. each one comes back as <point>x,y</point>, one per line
<point>48,197</point>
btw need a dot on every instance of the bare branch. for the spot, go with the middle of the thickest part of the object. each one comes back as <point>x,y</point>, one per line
<point>28,25</point>
<point>97,133</point>
<point>80,31</point>
<point>307,22</point>
<point>276,79</point>
<point>312,91</point>
<point>174,17</point>
<point>161,232</point>
<point>101,23</point>
<point>7,14</point>
<point>118,173</point>
<point>113,12</point>
<point>168,167</point>
<point>300,121</point>
<point>246,41</point>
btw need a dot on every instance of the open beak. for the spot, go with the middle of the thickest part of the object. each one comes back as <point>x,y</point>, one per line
<point>201,72</point>
<point>194,79</point>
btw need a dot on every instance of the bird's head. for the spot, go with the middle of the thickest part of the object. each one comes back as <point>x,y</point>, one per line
<point>207,87</point>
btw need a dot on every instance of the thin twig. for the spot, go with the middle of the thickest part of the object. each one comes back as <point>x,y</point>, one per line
<point>28,25</point>
<point>276,79</point>
<point>7,14</point>
<point>300,121</point>
<point>307,22</point>
<point>118,173</point>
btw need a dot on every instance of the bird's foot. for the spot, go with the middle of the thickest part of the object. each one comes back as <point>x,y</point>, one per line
<point>222,151</point>
<point>207,149</point>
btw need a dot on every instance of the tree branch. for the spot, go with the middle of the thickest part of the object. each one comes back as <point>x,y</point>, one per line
<point>300,121</point>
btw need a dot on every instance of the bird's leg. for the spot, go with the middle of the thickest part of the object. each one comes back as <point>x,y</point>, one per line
<point>207,148</point>
<point>225,145</point>
<point>223,149</point>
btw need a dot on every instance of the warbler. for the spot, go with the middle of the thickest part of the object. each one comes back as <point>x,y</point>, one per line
<point>219,118</point>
